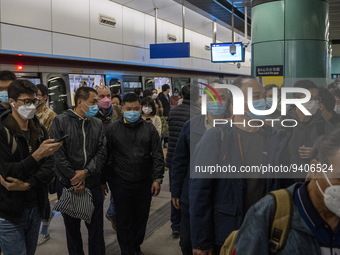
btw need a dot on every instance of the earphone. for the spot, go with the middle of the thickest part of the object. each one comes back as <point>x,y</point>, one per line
<point>12,105</point>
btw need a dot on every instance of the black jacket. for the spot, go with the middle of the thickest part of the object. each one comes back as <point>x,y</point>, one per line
<point>134,151</point>
<point>191,133</point>
<point>85,148</point>
<point>216,205</point>
<point>21,165</point>
<point>165,100</point>
<point>2,109</point>
<point>177,117</point>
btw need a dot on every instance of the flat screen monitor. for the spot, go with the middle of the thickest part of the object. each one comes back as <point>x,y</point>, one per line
<point>220,52</point>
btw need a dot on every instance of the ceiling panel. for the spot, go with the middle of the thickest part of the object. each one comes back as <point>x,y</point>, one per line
<point>201,13</point>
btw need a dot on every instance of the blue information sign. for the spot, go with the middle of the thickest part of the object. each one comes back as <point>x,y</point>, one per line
<point>170,50</point>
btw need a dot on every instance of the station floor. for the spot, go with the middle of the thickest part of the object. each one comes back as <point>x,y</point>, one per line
<point>158,239</point>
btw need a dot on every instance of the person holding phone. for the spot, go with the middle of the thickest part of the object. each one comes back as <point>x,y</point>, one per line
<point>78,167</point>
<point>26,167</point>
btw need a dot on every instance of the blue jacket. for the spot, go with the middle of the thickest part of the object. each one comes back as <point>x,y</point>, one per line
<point>253,235</point>
<point>216,205</point>
<point>180,172</point>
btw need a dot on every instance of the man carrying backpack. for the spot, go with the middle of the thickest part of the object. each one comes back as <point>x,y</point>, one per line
<point>26,167</point>
<point>313,226</point>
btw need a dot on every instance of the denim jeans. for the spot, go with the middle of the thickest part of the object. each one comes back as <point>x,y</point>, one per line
<point>20,238</point>
<point>111,210</point>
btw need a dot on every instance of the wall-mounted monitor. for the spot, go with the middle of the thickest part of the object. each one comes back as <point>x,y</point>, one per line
<point>223,52</point>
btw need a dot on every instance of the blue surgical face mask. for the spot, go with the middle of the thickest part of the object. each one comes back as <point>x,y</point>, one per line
<point>269,102</point>
<point>176,94</point>
<point>93,110</point>
<point>216,109</point>
<point>4,97</point>
<point>258,105</point>
<point>131,116</point>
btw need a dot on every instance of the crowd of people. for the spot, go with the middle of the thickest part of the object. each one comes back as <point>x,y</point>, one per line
<point>111,143</point>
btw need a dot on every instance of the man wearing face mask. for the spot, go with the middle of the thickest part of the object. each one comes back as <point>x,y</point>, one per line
<point>105,106</point>
<point>79,165</point>
<point>308,128</point>
<point>190,135</point>
<point>26,167</point>
<point>6,78</point>
<point>314,229</point>
<point>44,114</point>
<point>134,171</point>
<point>269,100</point>
<point>327,105</point>
<point>107,113</point>
<point>178,115</point>
<point>225,201</point>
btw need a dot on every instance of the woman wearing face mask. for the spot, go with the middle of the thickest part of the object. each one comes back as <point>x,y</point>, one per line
<point>149,113</point>
<point>315,214</point>
<point>175,98</point>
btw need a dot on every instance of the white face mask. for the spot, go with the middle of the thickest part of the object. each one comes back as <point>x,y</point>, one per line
<point>331,197</point>
<point>312,106</point>
<point>27,112</point>
<point>337,109</point>
<point>147,110</point>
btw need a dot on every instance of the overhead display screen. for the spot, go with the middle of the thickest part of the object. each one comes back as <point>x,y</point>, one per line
<point>221,52</point>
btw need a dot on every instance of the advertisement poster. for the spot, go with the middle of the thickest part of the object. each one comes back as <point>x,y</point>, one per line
<point>160,81</point>
<point>84,80</point>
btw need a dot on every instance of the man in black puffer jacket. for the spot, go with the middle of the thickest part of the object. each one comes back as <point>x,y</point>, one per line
<point>177,117</point>
<point>134,171</point>
<point>79,164</point>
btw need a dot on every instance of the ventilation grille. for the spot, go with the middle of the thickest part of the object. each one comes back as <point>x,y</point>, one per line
<point>172,38</point>
<point>107,21</point>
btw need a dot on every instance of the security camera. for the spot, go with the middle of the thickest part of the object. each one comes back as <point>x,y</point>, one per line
<point>232,49</point>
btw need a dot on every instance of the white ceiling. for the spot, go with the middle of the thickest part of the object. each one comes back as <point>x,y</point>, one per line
<point>171,11</point>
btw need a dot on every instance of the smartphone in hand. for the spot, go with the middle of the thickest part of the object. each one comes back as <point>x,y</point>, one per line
<point>61,138</point>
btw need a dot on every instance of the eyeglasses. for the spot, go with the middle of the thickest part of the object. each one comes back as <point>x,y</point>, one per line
<point>28,102</point>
